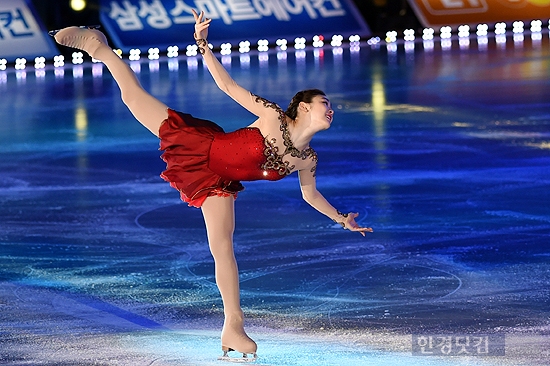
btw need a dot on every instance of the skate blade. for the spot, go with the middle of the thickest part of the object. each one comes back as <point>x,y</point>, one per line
<point>244,359</point>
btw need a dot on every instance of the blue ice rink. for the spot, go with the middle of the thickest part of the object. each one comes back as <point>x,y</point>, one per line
<point>445,152</point>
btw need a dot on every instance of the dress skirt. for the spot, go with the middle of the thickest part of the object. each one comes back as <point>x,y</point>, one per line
<point>186,142</point>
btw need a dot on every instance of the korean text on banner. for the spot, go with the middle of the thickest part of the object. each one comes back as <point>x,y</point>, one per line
<point>160,23</point>
<point>21,34</point>
<point>434,13</point>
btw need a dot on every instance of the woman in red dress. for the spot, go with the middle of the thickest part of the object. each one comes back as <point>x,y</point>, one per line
<point>206,165</point>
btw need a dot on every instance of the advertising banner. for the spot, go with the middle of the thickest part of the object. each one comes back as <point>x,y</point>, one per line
<point>21,35</point>
<point>160,23</point>
<point>434,13</point>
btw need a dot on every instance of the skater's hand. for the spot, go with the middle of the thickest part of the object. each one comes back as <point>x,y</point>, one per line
<point>351,225</point>
<point>201,25</point>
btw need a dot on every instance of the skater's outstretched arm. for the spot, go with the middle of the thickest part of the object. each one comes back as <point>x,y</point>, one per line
<point>222,78</point>
<point>312,196</point>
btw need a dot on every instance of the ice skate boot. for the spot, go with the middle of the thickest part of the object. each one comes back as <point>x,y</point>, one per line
<point>234,338</point>
<point>87,39</point>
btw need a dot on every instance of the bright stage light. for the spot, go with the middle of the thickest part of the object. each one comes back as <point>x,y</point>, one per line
<point>500,28</point>
<point>282,44</point>
<point>78,5</point>
<point>20,63</point>
<point>39,63</point>
<point>154,53</point>
<point>59,61</point>
<point>517,26</point>
<point>78,58</point>
<point>173,51</point>
<point>536,26</point>
<point>391,36</point>
<point>409,34</point>
<point>135,54</point>
<point>191,50</point>
<point>226,49</point>
<point>445,32</point>
<point>482,30</point>
<point>336,40</point>
<point>428,34</point>
<point>300,43</point>
<point>373,41</point>
<point>244,46</point>
<point>464,31</point>
<point>263,45</point>
<point>3,64</point>
<point>318,41</point>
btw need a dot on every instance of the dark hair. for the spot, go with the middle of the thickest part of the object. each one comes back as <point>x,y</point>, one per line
<point>302,96</point>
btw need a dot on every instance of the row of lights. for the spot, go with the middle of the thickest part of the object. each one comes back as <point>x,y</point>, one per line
<point>463,31</point>
<point>191,50</point>
<point>428,34</point>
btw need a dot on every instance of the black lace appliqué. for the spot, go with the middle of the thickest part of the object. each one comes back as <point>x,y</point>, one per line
<point>274,160</point>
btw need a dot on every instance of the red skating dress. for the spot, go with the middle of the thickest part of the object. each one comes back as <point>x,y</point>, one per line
<point>202,160</point>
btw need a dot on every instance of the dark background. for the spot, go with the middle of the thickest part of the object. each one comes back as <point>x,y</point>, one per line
<point>380,15</point>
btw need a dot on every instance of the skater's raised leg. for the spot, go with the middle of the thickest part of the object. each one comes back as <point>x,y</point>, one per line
<point>219,216</point>
<point>148,110</point>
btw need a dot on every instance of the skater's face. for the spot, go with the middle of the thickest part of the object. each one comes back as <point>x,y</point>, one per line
<point>320,110</point>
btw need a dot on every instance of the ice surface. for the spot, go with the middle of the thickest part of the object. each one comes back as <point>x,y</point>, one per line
<point>444,153</point>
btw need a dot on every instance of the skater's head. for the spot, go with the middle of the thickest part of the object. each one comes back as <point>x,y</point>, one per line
<point>303,96</point>
<point>312,104</point>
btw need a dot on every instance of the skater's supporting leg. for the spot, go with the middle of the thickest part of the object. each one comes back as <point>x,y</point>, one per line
<point>219,216</point>
<point>148,110</point>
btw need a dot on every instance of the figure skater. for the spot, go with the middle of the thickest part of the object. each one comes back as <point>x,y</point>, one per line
<point>206,165</point>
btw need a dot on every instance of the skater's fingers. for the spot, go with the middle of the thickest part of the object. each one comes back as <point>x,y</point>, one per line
<point>195,15</point>
<point>362,230</point>
<point>198,17</point>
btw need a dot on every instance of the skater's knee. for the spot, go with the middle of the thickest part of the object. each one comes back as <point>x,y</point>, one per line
<point>221,249</point>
